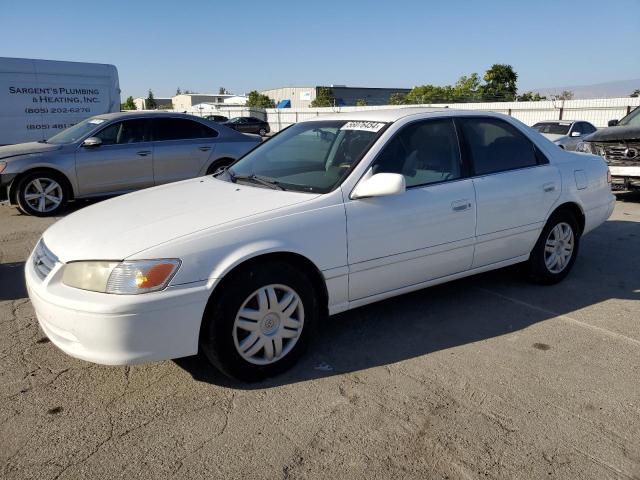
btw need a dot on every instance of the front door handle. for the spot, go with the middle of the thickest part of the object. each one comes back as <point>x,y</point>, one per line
<point>460,205</point>
<point>549,187</point>
<point>144,153</point>
<point>204,149</point>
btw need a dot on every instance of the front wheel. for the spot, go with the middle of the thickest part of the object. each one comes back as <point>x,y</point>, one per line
<point>42,194</point>
<point>555,251</point>
<point>260,322</point>
<point>262,132</point>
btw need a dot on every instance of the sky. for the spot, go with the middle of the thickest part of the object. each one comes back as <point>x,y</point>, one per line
<point>247,45</point>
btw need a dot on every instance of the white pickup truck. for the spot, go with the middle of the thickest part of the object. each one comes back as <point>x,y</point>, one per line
<point>38,98</point>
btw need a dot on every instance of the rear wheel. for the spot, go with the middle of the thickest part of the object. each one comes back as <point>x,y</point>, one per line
<point>556,249</point>
<point>262,132</point>
<point>219,164</point>
<point>42,194</point>
<point>260,322</point>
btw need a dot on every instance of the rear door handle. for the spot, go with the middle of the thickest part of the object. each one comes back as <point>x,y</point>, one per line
<point>204,149</point>
<point>144,153</point>
<point>549,187</point>
<point>460,205</point>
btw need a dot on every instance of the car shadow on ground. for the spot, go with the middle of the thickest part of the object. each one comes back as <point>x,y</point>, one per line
<point>458,313</point>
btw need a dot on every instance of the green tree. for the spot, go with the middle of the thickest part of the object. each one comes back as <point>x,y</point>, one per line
<point>398,99</point>
<point>129,104</point>
<point>361,102</point>
<point>500,83</point>
<point>430,94</point>
<point>222,91</point>
<point>150,102</point>
<point>635,93</point>
<point>324,98</point>
<point>258,100</point>
<point>565,95</point>
<point>467,89</point>
<point>178,91</point>
<point>530,97</point>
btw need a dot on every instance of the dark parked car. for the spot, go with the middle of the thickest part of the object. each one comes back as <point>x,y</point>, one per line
<point>249,125</point>
<point>217,118</point>
<point>619,145</point>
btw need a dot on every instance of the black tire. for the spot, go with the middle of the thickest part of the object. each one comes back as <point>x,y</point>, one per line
<point>218,164</point>
<point>262,132</point>
<point>46,178</point>
<point>217,331</point>
<point>536,266</point>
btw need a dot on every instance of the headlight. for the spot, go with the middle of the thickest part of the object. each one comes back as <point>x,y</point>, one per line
<point>584,147</point>
<point>123,278</point>
<point>3,165</point>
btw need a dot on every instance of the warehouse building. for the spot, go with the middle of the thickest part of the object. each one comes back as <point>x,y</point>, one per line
<point>301,97</point>
<point>186,101</point>
<point>141,103</point>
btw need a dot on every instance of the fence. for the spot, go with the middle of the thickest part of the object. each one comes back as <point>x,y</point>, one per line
<point>596,111</point>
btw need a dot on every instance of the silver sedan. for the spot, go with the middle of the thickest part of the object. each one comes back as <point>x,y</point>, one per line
<point>565,133</point>
<point>115,153</point>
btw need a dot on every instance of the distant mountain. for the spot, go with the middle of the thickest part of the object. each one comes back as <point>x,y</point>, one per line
<point>621,88</point>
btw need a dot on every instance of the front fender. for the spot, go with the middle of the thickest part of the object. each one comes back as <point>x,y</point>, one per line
<point>19,168</point>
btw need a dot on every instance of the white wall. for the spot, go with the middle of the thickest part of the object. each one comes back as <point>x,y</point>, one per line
<point>596,111</point>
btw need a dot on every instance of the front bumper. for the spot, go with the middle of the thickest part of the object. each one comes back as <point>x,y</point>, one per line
<point>117,329</point>
<point>624,177</point>
<point>5,183</point>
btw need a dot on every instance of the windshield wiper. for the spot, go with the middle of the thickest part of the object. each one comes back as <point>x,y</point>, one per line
<point>267,182</point>
<point>42,141</point>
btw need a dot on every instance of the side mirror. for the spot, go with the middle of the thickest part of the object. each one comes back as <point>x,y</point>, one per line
<point>575,134</point>
<point>380,185</point>
<point>612,123</point>
<point>92,142</point>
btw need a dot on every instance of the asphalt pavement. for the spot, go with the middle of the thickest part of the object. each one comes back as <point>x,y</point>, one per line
<point>486,377</point>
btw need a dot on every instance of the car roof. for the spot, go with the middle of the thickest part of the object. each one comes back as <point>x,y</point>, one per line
<point>395,114</point>
<point>146,113</point>
<point>559,121</point>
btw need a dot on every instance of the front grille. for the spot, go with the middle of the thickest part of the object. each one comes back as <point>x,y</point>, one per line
<point>627,153</point>
<point>43,260</point>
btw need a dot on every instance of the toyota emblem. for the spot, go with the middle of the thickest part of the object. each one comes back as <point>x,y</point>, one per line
<point>630,153</point>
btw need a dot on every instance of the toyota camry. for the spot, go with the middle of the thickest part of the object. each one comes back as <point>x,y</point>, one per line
<point>327,215</point>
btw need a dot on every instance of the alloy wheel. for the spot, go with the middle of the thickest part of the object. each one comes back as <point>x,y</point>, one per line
<point>43,194</point>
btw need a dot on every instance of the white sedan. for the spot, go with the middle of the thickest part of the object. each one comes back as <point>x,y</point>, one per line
<point>328,215</point>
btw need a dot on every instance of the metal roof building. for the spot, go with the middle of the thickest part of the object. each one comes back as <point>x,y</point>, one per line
<point>301,97</point>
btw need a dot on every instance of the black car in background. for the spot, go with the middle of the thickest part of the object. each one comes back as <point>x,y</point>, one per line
<point>217,118</point>
<point>249,125</point>
<point>619,145</point>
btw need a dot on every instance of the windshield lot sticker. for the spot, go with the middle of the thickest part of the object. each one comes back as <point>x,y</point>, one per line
<point>96,121</point>
<point>366,126</point>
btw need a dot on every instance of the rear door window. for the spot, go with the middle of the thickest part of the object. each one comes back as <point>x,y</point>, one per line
<point>180,129</point>
<point>493,145</point>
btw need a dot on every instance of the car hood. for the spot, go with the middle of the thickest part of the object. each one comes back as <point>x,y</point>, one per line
<point>611,134</point>
<point>26,149</point>
<point>120,227</point>
<point>554,137</point>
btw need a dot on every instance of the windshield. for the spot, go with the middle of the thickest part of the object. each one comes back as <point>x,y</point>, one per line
<point>310,156</point>
<point>553,128</point>
<point>633,119</point>
<point>75,133</point>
